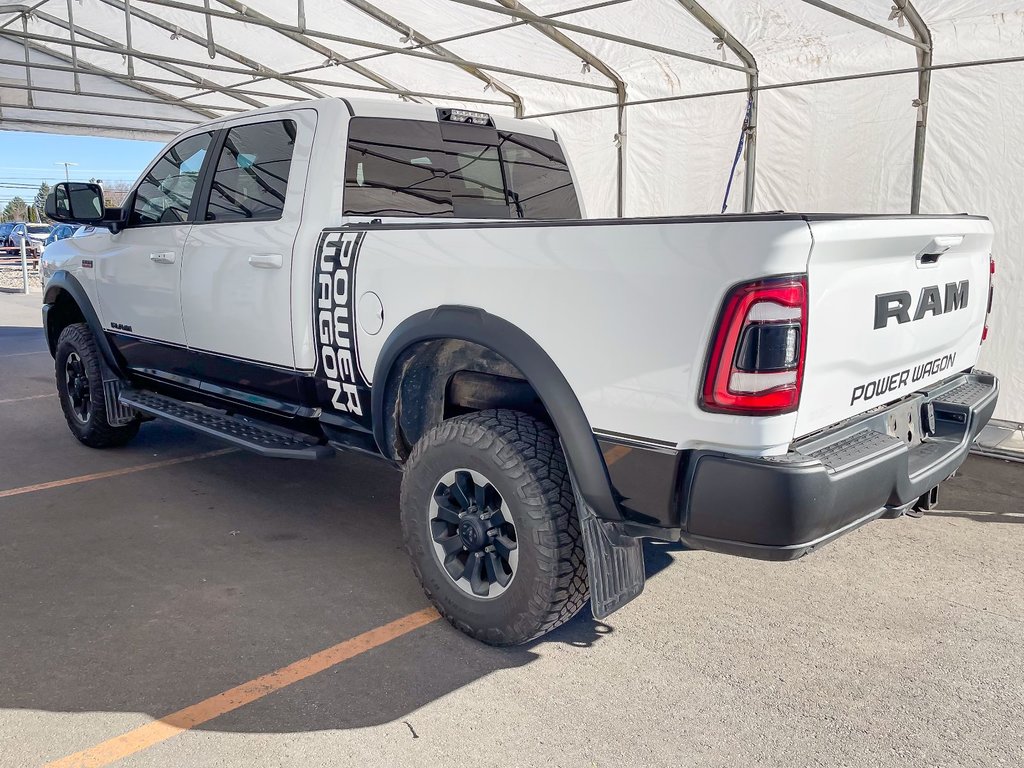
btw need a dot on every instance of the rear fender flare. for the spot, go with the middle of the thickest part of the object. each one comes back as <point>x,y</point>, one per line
<point>518,348</point>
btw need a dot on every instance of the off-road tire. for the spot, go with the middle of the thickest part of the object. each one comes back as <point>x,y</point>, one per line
<point>522,458</point>
<point>95,431</point>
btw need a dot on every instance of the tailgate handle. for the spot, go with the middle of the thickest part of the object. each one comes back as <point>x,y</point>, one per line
<point>929,257</point>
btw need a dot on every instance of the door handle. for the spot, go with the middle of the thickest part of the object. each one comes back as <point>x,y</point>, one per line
<point>165,257</point>
<point>266,260</point>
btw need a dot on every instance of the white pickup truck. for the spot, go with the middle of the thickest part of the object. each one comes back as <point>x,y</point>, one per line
<point>422,284</point>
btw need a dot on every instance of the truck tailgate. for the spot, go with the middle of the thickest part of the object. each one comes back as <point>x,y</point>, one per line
<point>894,305</point>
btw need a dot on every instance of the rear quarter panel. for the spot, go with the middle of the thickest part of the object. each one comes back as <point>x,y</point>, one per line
<point>625,310</point>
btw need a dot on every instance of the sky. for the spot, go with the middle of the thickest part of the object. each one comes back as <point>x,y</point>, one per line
<point>26,159</point>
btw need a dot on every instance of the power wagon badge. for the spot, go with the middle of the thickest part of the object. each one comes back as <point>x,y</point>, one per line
<point>340,387</point>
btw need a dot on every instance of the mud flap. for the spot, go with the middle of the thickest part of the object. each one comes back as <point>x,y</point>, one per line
<point>615,562</point>
<point>118,414</point>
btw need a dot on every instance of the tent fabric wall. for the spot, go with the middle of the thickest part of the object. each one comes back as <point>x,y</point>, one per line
<point>975,162</point>
<point>842,146</point>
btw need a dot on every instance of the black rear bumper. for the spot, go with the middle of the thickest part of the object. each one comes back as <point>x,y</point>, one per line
<point>781,508</point>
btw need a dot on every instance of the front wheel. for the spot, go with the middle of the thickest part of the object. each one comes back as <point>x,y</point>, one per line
<point>80,387</point>
<point>490,524</point>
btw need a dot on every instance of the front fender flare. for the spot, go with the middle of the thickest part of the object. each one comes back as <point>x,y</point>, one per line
<point>62,280</point>
<point>502,337</point>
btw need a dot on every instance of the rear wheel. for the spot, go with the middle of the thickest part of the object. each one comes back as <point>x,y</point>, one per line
<point>80,387</point>
<point>490,524</point>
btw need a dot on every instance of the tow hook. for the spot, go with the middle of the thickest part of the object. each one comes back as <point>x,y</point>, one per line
<point>926,503</point>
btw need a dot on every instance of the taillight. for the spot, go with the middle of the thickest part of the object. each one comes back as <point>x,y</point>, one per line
<point>756,364</point>
<point>988,310</point>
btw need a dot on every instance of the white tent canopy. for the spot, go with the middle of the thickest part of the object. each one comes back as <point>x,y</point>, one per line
<point>871,106</point>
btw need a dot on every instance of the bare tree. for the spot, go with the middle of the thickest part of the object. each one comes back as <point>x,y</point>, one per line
<point>114,192</point>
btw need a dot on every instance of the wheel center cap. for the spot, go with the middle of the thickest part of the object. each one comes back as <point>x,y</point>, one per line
<point>473,533</point>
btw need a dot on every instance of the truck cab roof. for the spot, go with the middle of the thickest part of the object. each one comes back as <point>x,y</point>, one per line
<point>360,107</point>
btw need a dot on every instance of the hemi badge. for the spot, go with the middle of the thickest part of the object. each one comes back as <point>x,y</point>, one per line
<point>87,263</point>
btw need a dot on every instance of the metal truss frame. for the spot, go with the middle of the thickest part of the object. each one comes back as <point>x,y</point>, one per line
<point>189,85</point>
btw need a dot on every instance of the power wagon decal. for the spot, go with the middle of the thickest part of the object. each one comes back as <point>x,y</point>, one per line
<point>341,389</point>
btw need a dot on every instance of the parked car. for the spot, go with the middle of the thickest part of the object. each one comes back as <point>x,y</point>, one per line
<point>5,232</point>
<point>60,232</point>
<point>34,236</point>
<point>554,388</point>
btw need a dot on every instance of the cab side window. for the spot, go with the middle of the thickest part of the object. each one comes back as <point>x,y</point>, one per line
<point>251,177</point>
<point>165,195</point>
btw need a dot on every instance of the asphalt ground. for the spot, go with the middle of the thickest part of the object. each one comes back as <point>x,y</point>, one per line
<point>228,610</point>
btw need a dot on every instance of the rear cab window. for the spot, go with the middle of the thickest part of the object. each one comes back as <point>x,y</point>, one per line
<point>539,176</point>
<point>397,167</point>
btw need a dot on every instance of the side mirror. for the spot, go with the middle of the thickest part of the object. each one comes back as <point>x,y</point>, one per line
<point>76,202</point>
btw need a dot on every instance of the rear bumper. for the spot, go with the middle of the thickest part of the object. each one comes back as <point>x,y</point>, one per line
<point>830,483</point>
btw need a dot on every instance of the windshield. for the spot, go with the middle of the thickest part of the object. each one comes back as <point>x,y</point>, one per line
<point>5,229</point>
<point>38,229</point>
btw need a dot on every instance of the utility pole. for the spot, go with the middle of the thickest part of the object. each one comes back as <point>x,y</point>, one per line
<point>67,175</point>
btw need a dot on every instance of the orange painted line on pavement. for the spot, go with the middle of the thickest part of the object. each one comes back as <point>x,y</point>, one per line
<point>28,397</point>
<point>112,473</point>
<point>171,725</point>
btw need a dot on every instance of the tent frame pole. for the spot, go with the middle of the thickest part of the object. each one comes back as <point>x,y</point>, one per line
<point>198,40</point>
<point>922,41</point>
<point>105,113</point>
<point>20,10</point>
<point>439,42</point>
<point>84,68</point>
<point>784,86</point>
<point>161,134</point>
<point>924,87</point>
<point>225,89</point>
<point>883,30</point>
<point>393,23</point>
<point>74,48</point>
<point>166,100</point>
<point>271,24</point>
<point>126,51</point>
<point>518,10</point>
<point>741,52</point>
<point>128,35</point>
<point>589,59</point>
<point>548,25</point>
<point>331,55</point>
<point>28,58</point>
<point>496,28</point>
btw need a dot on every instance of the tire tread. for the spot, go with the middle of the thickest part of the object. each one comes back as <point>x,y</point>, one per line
<point>529,453</point>
<point>98,433</point>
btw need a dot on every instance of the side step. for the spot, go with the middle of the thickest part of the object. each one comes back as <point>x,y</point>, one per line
<point>255,436</point>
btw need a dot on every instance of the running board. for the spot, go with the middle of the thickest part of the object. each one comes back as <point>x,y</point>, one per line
<point>258,437</point>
